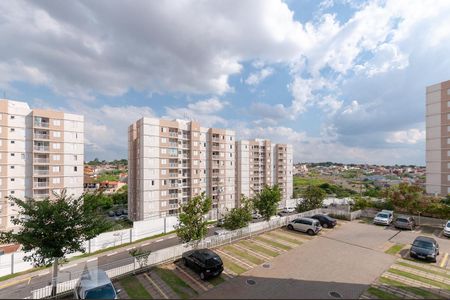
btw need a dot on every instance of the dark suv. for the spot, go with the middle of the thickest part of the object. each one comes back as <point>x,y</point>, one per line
<point>325,221</point>
<point>203,261</point>
<point>425,248</point>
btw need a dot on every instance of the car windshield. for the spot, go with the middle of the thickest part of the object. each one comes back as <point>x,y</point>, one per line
<point>423,244</point>
<point>213,261</point>
<point>448,225</point>
<point>401,220</point>
<point>382,215</point>
<point>102,292</point>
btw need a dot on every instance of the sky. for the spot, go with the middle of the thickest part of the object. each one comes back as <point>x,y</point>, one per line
<point>340,80</point>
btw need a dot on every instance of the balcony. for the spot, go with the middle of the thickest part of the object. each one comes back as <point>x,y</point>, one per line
<point>175,145</point>
<point>173,174</point>
<point>173,134</point>
<point>173,195</point>
<point>40,184</point>
<point>41,148</point>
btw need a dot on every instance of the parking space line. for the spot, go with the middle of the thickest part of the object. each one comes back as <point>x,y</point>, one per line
<point>155,285</point>
<point>145,244</point>
<point>235,259</point>
<point>128,249</point>
<point>251,251</point>
<point>46,273</point>
<point>92,259</point>
<point>444,260</point>
<point>111,254</point>
<point>191,278</point>
<point>160,240</point>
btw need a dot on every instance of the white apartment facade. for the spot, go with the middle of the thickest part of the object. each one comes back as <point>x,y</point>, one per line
<point>438,138</point>
<point>261,163</point>
<point>171,161</point>
<point>41,152</point>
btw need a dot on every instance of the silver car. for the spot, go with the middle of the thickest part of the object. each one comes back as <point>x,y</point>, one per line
<point>308,225</point>
<point>405,222</point>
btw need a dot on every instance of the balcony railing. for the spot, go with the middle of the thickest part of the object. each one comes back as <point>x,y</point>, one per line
<point>41,124</point>
<point>41,172</point>
<point>41,148</point>
<point>41,136</point>
<point>42,160</point>
<point>173,174</point>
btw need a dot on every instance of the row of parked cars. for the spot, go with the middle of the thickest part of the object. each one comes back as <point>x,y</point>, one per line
<point>422,247</point>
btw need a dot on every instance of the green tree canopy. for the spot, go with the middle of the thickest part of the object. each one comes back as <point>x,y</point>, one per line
<point>192,225</point>
<point>312,198</point>
<point>266,201</point>
<point>239,217</point>
<point>51,229</point>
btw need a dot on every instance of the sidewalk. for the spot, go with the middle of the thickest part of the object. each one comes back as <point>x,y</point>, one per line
<point>32,274</point>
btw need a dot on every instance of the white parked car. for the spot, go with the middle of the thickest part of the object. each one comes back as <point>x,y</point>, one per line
<point>288,210</point>
<point>446,231</point>
<point>95,284</point>
<point>385,217</point>
<point>308,225</point>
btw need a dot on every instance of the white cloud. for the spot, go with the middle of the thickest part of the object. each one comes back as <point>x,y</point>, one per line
<point>257,77</point>
<point>91,47</point>
<point>204,111</point>
<point>410,136</point>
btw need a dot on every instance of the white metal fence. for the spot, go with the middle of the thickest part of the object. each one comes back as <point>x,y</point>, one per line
<point>132,265</point>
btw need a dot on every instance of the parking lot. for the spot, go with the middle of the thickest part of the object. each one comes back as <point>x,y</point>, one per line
<point>346,262</point>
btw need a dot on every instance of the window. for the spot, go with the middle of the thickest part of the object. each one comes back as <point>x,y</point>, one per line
<point>56,157</point>
<point>56,122</point>
<point>75,169</point>
<point>12,167</point>
<point>12,117</point>
<point>163,193</point>
<point>163,150</point>
<point>448,116</point>
<point>448,103</point>
<point>55,169</point>
<point>13,179</point>
<point>163,172</point>
<point>56,134</point>
<point>448,177</point>
<point>448,153</point>
<point>13,142</point>
<point>56,180</point>
<point>12,154</point>
<point>448,92</point>
<point>12,129</point>
<point>163,140</point>
<point>153,182</point>
<point>163,161</point>
<point>448,165</point>
<point>56,146</point>
<point>22,155</point>
<point>75,157</point>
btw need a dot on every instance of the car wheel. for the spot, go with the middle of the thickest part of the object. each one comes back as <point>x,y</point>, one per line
<point>310,232</point>
<point>325,225</point>
<point>290,227</point>
<point>434,260</point>
<point>202,276</point>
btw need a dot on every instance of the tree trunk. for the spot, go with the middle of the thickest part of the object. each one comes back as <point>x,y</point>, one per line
<point>54,276</point>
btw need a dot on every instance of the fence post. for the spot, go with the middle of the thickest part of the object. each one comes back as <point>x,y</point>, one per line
<point>131,235</point>
<point>89,246</point>
<point>164,225</point>
<point>12,263</point>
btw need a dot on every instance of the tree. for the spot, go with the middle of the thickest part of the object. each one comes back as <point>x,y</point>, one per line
<point>405,197</point>
<point>192,225</point>
<point>312,198</point>
<point>141,256</point>
<point>52,229</point>
<point>239,217</point>
<point>266,201</point>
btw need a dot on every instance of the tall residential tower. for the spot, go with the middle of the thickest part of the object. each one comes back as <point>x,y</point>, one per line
<point>438,138</point>
<point>41,152</point>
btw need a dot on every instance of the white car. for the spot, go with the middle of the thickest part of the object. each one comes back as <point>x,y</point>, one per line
<point>288,210</point>
<point>446,231</point>
<point>385,217</point>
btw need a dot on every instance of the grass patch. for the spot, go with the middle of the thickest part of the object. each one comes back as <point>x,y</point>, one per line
<point>443,274</point>
<point>394,249</point>
<point>180,287</point>
<point>305,181</point>
<point>134,288</point>
<point>420,278</point>
<point>258,248</point>
<point>415,290</point>
<point>381,294</point>
<point>272,243</point>
<point>235,268</point>
<point>245,255</point>
<point>285,238</point>
<point>216,280</point>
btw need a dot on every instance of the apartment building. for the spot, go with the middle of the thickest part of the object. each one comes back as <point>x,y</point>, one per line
<point>172,161</point>
<point>261,163</point>
<point>41,152</point>
<point>438,138</point>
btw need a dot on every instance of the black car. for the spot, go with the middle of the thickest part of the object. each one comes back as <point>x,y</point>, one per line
<point>203,261</point>
<point>118,213</point>
<point>325,221</point>
<point>425,248</point>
